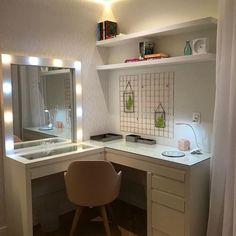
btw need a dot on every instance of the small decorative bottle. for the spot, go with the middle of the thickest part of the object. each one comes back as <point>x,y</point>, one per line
<point>187,48</point>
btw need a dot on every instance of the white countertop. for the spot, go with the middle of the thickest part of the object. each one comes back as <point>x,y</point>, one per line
<point>146,151</point>
<point>152,151</point>
<point>19,156</point>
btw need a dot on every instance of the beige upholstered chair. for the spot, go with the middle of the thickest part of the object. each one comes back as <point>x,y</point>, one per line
<point>92,184</point>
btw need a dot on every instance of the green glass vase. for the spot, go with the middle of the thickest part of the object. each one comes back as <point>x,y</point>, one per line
<point>187,48</point>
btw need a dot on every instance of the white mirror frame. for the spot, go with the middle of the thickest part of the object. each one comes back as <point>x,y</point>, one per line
<point>6,61</point>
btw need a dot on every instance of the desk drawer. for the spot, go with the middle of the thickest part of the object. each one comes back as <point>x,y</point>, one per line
<point>169,200</point>
<point>170,173</point>
<point>61,166</point>
<point>168,185</point>
<point>167,221</point>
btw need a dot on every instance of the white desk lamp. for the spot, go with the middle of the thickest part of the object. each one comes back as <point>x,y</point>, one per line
<point>196,150</point>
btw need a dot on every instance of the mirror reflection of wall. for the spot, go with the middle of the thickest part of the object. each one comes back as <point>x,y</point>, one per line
<point>42,102</point>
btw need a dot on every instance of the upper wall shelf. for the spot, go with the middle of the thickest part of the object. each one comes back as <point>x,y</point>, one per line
<point>190,26</point>
<point>163,61</point>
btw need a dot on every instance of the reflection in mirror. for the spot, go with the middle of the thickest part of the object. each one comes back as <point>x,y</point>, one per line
<point>41,103</point>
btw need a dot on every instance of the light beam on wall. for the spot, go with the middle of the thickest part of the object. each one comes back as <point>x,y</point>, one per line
<point>107,3</point>
<point>107,12</point>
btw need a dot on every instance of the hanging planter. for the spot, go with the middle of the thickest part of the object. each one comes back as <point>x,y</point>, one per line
<point>160,117</point>
<point>128,98</point>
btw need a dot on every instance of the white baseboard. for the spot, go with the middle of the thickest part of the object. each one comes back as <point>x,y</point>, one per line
<point>3,230</point>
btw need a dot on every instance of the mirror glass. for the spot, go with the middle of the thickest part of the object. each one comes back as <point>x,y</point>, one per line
<point>41,103</point>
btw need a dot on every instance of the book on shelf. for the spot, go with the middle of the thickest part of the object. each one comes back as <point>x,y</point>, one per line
<point>132,60</point>
<point>155,56</point>
<point>106,30</point>
<point>148,57</point>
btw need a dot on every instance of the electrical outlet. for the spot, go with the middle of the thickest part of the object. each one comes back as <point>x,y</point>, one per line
<point>196,117</point>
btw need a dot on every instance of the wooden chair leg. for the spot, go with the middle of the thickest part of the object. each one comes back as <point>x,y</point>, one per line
<point>75,220</point>
<point>110,211</point>
<point>105,220</point>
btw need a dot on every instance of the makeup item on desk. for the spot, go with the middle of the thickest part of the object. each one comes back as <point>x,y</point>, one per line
<point>183,144</point>
<point>59,124</point>
<point>132,137</point>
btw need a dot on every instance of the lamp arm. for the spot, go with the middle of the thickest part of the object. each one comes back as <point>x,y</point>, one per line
<point>195,136</point>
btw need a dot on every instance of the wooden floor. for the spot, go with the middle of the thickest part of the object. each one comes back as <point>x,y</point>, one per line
<point>129,221</point>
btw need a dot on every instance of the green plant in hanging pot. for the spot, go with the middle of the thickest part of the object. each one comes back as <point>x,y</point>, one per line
<point>160,121</point>
<point>129,103</point>
<point>128,98</point>
<point>160,117</point>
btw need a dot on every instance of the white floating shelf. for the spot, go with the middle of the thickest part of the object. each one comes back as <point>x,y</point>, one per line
<point>159,62</point>
<point>190,26</point>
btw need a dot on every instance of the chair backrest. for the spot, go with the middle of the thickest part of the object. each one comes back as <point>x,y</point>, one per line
<point>92,183</point>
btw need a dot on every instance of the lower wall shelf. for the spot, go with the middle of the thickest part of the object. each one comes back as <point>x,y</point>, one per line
<point>159,62</point>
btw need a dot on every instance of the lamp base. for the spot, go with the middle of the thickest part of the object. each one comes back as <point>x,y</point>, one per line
<point>196,151</point>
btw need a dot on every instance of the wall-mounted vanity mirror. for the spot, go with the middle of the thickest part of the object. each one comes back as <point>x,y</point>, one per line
<point>42,101</point>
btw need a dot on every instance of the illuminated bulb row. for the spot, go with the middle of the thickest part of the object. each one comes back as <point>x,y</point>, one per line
<point>6,59</point>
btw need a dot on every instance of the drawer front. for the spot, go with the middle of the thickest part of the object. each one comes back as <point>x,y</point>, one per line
<point>61,166</point>
<point>167,221</point>
<point>170,173</point>
<point>168,185</point>
<point>168,200</point>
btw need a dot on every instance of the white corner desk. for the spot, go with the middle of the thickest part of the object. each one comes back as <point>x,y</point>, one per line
<point>177,188</point>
